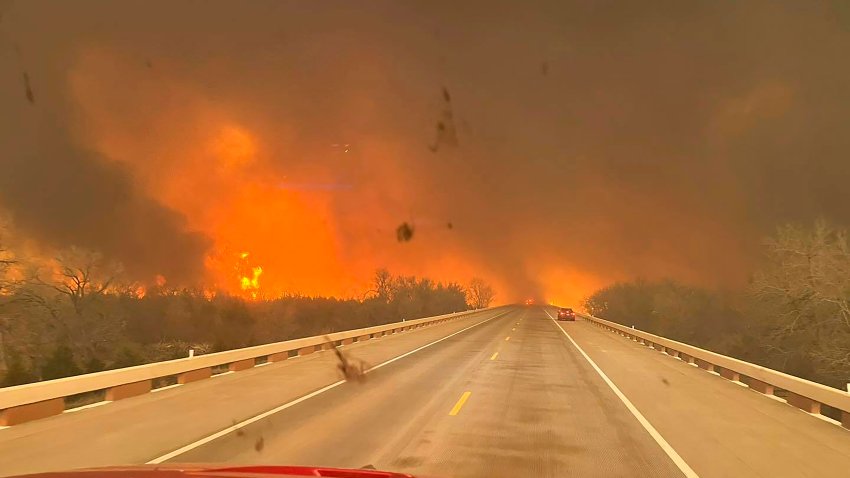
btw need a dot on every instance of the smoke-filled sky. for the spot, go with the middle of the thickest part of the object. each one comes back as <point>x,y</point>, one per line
<point>549,147</point>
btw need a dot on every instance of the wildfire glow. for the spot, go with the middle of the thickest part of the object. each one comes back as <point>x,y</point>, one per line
<point>249,276</point>
<point>252,284</point>
<point>221,170</point>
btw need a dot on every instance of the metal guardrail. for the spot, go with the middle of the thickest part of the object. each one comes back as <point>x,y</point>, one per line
<point>32,401</point>
<point>801,393</point>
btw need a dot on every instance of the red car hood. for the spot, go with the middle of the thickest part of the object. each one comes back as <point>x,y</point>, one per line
<point>208,471</point>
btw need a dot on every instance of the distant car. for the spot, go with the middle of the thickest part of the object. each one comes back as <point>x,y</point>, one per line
<point>565,313</point>
<point>217,471</point>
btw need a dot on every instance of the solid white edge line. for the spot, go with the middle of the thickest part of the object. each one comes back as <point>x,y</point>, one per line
<point>310,395</point>
<point>86,407</point>
<point>167,387</point>
<point>677,459</point>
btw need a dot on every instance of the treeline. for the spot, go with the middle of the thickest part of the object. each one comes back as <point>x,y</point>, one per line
<point>793,317</point>
<point>82,319</point>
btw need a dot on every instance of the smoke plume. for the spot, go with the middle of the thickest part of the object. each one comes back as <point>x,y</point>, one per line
<point>568,144</point>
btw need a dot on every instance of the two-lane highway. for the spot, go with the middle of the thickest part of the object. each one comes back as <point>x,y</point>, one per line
<point>504,392</point>
<point>510,397</point>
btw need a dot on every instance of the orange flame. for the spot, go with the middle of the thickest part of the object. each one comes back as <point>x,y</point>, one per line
<point>252,284</point>
<point>249,283</point>
<point>224,176</point>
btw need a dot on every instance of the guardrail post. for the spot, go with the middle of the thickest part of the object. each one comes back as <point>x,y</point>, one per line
<point>364,338</point>
<point>760,386</point>
<point>347,341</point>
<point>279,357</point>
<point>845,419</point>
<point>707,366</point>
<point>803,403</point>
<point>306,350</point>
<point>240,365</point>
<point>128,390</point>
<point>194,375</point>
<point>31,411</point>
<point>730,375</point>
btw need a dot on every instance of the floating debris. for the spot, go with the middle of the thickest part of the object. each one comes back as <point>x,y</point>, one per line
<point>446,132</point>
<point>404,232</point>
<point>28,87</point>
<point>351,369</point>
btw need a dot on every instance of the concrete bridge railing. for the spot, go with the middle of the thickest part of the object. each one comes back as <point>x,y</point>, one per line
<point>33,401</point>
<point>803,394</point>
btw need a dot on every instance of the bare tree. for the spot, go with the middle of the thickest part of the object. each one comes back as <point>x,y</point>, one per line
<point>7,287</point>
<point>804,292</point>
<point>382,284</point>
<point>479,294</point>
<point>7,261</point>
<point>82,276</point>
<point>80,279</point>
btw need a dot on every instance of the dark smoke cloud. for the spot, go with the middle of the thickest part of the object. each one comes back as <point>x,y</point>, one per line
<point>64,196</point>
<point>61,193</point>
<point>617,139</point>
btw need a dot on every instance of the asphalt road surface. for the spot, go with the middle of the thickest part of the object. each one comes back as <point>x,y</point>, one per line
<point>506,393</point>
<point>533,406</point>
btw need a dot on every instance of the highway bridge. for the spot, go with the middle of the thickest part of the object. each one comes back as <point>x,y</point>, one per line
<point>506,391</point>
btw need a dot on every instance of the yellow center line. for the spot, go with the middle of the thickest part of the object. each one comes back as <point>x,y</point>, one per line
<point>507,338</point>
<point>495,354</point>
<point>459,404</point>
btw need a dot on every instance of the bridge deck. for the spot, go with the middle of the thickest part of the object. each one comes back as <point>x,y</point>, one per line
<point>535,407</point>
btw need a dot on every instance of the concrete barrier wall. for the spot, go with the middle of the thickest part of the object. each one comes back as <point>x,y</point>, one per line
<point>803,394</point>
<point>38,400</point>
